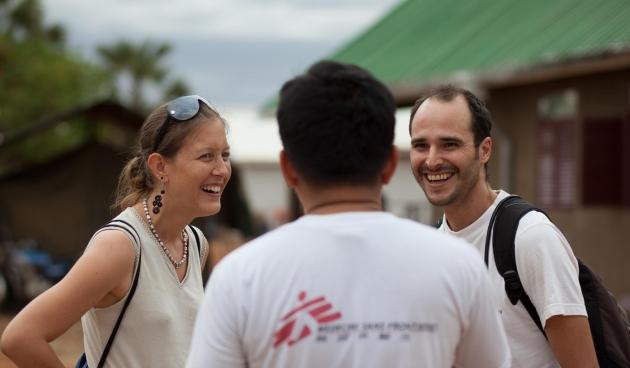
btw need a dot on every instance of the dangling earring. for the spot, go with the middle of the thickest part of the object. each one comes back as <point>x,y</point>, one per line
<point>157,201</point>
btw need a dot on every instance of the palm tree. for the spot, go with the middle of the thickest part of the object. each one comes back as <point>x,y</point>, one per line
<point>141,63</point>
<point>24,19</point>
<point>175,89</point>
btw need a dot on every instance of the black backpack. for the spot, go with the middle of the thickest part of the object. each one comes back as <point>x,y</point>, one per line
<point>608,321</point>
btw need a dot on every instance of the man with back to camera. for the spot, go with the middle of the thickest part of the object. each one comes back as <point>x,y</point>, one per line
<point>346,285</point>
<point>450,148</point>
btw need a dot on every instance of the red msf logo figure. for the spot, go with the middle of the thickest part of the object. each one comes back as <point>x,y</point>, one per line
<point>303,319</point>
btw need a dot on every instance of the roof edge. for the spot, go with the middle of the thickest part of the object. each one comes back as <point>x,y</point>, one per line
<point>574,65</point>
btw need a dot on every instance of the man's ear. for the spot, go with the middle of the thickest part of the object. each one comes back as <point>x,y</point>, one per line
<point>390,166</point>
<point>157,165</point>
<point>485,150</point>
<point>288,172</point>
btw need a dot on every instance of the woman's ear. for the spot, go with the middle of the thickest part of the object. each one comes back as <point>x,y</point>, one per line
<point>157,165</point>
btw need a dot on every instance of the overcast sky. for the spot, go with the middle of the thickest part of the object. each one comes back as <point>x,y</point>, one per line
<point>237,53</point>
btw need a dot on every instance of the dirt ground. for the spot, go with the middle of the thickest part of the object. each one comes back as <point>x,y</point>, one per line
<point>68,347</point>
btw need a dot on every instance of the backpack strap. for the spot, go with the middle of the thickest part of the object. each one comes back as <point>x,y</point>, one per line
<point>502,229</point>
<point>438,223</point>
<point>125,226</point>
<point>194,231</point>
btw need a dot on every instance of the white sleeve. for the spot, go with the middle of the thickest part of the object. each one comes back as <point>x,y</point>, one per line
<point>483,342</point>
<point>216,342</point>
<point>547,268</point>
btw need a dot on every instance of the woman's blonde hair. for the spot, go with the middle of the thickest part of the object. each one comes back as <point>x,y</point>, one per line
<point>136,180</point>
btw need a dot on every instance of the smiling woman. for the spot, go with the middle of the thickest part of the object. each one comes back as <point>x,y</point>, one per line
<point>145,264</point>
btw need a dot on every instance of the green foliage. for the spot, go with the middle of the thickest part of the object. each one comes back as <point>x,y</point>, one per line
<point>24,19</point>
<point>40,79</point>
<point>141,63</point>
<point>175,89</point>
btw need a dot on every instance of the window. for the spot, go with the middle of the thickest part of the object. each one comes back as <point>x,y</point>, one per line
<point>559,106</point>
<point>556,174</point>
<point>556,148</point>
<point>606,161</point>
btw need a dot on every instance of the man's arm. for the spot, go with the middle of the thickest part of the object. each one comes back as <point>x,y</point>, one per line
<point>549,273</point>
<point>570,340</point>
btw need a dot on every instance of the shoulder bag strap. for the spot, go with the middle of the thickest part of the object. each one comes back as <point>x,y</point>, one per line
<point>194,231</point>
<point>110,341</point>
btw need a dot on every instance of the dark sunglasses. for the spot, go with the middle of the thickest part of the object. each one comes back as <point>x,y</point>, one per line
<point>180,109</point>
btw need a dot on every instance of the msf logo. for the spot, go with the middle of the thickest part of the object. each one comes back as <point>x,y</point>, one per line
<point>302,320</point>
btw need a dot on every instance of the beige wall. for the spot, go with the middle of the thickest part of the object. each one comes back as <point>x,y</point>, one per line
<point>599,235</point>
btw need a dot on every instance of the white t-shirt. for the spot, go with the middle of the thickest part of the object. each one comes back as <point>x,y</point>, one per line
<point>357,289</point>
<point>549,274</point>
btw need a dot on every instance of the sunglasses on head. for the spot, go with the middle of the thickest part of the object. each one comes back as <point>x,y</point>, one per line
<point>180,109</point>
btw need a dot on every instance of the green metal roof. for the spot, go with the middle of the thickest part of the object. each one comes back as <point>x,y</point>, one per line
<point>422,40</point>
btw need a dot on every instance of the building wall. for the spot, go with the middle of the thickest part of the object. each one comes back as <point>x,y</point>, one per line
<point>265,190</point>
<point>61,204</point>
<point>600,235</point>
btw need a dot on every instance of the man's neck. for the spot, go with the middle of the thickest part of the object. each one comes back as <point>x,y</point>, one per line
<point>342,199</point>
<point>464,213</point>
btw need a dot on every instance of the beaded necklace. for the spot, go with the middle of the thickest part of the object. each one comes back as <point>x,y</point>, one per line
<point>176,264</point>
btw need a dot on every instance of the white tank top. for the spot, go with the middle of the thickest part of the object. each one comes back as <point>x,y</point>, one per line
<point>158,324</point>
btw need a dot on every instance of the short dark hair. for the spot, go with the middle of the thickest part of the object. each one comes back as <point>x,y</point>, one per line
<point>481,119</point>
<point>336,124</point>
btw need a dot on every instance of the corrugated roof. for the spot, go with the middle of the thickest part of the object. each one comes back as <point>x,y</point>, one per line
<point>422,40</point>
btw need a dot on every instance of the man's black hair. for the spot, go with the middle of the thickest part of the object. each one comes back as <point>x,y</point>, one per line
<point>336,124</point>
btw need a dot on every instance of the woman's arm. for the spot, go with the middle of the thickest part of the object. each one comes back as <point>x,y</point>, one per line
<point>99,278</point>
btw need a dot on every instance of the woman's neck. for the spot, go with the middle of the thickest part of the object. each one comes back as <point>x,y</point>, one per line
<point>168,226</point>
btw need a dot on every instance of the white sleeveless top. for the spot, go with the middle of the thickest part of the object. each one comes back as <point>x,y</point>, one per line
<point>157,327</point>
